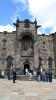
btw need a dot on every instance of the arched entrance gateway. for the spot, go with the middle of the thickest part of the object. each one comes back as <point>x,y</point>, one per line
<point>26,66</point>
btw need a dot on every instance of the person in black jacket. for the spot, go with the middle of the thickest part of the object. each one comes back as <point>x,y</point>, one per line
<point>14,76</point>
<point>50,76</point>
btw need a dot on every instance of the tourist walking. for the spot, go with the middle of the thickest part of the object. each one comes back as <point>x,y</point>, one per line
<point>2,73</point>
<point>35,74</point>
<point>26,71</point>
<point>43,75</point>
<point>46,76</point>
<point>8,75</point>
<point>38,75</point>
<point>30,76</point>
<point>41,70</point>
<point>50,76</point>
<point>14,75</point>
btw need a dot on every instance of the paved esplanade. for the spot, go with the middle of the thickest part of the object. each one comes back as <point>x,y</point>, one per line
<point>27,90</point>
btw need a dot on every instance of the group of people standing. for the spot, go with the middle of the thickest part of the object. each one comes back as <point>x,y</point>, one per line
<point>39,75</point>
<point>43,75</point>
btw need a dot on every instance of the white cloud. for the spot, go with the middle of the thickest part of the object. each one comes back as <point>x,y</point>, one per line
<point>48,23</point>
<point>8,28</point>
<point>44,11</point>
<point>39,32</point>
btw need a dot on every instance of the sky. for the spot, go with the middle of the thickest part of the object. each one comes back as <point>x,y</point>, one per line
<point>43,10</point>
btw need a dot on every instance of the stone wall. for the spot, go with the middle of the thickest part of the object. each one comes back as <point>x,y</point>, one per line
<point>7,47</point>
<point>45,49</point>
<point>54,46</point>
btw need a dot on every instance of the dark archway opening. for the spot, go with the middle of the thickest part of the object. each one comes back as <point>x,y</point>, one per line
<point>26,66</point>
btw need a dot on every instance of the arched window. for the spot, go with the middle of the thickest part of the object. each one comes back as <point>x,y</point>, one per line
<point>50,62</point>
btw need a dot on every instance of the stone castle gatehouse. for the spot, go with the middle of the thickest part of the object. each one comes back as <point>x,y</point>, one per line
<point>25,48</point>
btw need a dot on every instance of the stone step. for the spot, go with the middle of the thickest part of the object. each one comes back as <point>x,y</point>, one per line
<point>24,77</point>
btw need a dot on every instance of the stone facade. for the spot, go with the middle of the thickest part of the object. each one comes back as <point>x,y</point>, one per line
<point>25,48</point>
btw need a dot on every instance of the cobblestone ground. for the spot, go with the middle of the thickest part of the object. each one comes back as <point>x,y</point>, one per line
<point>27,90</point>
